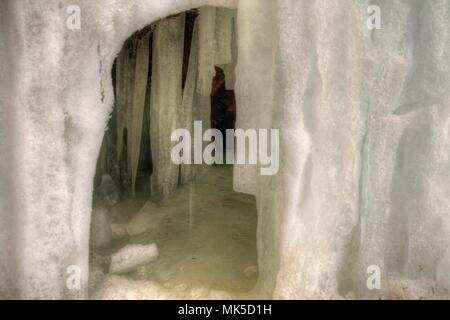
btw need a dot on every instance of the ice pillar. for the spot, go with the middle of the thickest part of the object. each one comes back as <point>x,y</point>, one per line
<point>137,111</point>
<point>207,49</point>
<point>166,99</point>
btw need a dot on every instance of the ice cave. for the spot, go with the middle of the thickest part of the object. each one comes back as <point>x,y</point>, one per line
<point>93,206</point>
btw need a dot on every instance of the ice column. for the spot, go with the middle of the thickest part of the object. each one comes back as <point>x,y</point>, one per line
<point>137,112</point>
<point>230,68</point>
<point>226,47</point>
<point>120,99</point>
<point>207,49</point>
<point>125,91</point>
<point>224,26</point>
<point>186,114</point>
<point>166,98</point>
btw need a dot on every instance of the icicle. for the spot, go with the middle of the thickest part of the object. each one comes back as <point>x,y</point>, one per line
<point>166,98</point>
<point>230,68</point>
<point>186,115</point>
<point>102,163</point>
<point>120,100</point>
<point>130,64</point>
<point>207,49</point>
<point>138,104</point>
<point>224,26</point>
<point>124,100</point>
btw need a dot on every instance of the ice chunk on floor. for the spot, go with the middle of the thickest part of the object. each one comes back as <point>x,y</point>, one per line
<point>101,234</point>
<point>131,257</point>
<point>148,218</point>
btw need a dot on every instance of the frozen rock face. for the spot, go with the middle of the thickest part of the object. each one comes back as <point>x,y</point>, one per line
<point>364,118</point>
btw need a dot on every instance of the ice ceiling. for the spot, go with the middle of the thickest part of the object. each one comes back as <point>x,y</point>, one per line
<point>365,140</point>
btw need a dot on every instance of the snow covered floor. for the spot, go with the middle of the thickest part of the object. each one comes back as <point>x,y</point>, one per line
<point>206,243</point>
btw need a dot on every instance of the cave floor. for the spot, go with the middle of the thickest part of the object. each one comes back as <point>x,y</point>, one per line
<point>207,238</point>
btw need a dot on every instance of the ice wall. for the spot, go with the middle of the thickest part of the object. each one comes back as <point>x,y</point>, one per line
<point>364,145</point>
<point>56,97</point>
<point>364,118</point>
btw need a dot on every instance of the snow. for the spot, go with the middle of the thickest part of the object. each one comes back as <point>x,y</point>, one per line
<point>131,257</point>
<point>364,141</point>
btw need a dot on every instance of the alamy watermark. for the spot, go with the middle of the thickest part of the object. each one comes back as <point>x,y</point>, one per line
<point>374,19</point>
<point>252,147</point>
<point>373,281</point>
<point>73,280</point>
<point>73,21</point>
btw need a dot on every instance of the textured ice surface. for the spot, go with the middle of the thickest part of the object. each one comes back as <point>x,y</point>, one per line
<point>132,256</point>
<point>364,142</point>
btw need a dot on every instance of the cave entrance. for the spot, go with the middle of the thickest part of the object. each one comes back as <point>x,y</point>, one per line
<point>161,230</point>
